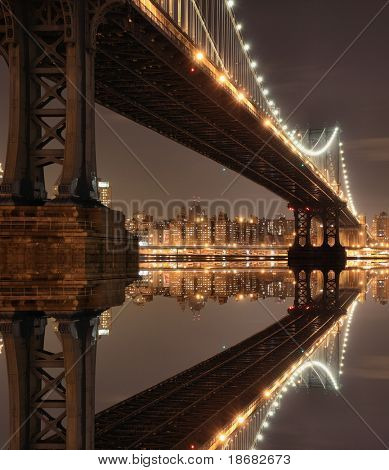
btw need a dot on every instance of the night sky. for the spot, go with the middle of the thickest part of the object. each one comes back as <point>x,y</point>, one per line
<point>295,44</point>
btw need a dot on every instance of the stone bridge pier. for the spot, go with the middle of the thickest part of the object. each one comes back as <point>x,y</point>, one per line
<point>50,46</point>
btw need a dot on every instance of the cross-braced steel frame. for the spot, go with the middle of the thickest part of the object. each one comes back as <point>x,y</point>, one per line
<point>51,394</point>
<point>329,215</point>
<point>49,46</point>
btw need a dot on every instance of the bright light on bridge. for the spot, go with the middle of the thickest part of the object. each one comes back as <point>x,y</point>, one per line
<point>255,96</point>
<point>321,151</point>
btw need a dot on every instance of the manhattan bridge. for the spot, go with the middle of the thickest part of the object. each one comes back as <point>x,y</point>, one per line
<point>183,69</point>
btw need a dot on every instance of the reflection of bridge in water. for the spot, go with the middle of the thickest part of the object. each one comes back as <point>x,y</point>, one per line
<point>52,393</point>
<point>200,407</point>
<point>321,370</point>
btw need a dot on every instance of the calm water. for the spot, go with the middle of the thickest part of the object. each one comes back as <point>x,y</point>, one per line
<point>174,318</point>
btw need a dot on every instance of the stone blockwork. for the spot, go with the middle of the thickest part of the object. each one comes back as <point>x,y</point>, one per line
<point>64,242</point>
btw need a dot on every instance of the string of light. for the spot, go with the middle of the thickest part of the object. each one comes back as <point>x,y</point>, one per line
<point>275,394</point>
<point>310,152</point>
<point>217,34</point>
<point>345,177</point>
<point>322,150</point>
<point>343,348</point>
<point>306,365</point>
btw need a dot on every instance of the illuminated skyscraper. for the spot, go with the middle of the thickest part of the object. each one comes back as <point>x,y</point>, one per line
<point>222,229</point>
<point>177,232</point>
<point>1,173</point>
<point>142,225</point>
<point>1,344</point>
<point>380,227</point>
<point>105,323</point>
<point>380,288</point>
<point>105,193</point>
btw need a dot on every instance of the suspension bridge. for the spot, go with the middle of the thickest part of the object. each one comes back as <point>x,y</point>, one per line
<point>181,68</point>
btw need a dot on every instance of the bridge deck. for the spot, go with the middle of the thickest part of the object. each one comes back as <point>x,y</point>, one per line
<point>145,70</point>
<point>191,407</point>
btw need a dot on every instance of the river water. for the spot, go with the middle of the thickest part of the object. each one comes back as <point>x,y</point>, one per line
<point>177,316</point>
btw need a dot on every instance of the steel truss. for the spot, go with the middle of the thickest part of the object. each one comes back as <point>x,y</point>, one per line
<point>51,394</point>
<point>49,46</point>
<point>329,215</point>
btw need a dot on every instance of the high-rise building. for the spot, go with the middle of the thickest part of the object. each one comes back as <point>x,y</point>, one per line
<point>380,228</point>
<point>195,211</point>
<point>105,323</point>
<point>176,232</point>
<point>1,173</point>
<point>222,229</point>
<point>105,193</point>
<point>200,230</point>
<point>1,344</point>
<point>190,233</point>
<point>380,288</point>
<point>142,225</point>
<point>203,231</point>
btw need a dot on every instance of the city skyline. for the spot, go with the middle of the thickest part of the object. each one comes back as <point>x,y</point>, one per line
<point>197,227</point>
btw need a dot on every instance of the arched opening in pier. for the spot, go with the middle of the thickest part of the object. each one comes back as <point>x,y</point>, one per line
<point>316,283</point>
<point>317,231</point>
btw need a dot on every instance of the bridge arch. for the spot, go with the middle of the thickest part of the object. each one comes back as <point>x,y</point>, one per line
<point>102,8</point>
<point>317,230</point>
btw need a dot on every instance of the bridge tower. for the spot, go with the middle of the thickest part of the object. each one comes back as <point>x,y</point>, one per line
<point>331,252</point>
<point>51,395</point>
<point>49,46</point>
